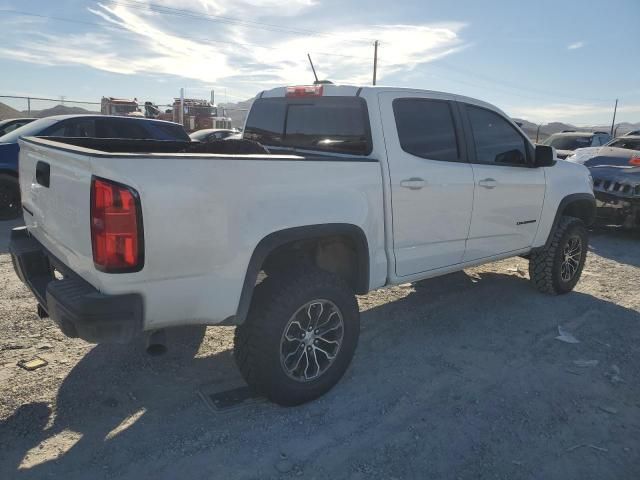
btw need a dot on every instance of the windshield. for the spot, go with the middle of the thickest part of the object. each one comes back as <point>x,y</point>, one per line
<point>199,111</point>
<point>628,143</point>
<point>567,142</point>
<point>330,124</point>
<point>125,108</point>
<point>33,128</point>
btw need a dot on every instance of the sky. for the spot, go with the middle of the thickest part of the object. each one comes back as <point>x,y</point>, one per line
<point>560,60</point>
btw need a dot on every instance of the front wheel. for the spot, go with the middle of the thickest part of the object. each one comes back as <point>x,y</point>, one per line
<point>556,269</point>
<point>299,336</point>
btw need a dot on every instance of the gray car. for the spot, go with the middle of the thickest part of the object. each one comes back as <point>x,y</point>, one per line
<point>12,124</point>
<point>568,141</point>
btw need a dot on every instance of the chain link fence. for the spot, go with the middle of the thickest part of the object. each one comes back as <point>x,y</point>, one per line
<point>38,107</point>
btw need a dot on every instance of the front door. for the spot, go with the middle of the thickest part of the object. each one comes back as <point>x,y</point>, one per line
<point>431,180</point>
<point>509,192</point>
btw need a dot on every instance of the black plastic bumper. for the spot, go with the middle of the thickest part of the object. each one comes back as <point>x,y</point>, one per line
<point>617,210</point>
<point>76,306</point>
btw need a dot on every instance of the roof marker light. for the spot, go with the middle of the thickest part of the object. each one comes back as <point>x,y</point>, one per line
<point>305,91</point>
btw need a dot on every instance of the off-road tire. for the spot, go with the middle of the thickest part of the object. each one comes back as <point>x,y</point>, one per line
<point>257,346</point>
<point>545,264</point>
<point>9,197</point>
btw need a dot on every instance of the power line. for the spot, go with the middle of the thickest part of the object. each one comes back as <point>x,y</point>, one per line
<point>180,12</point>
<point>59,100</point>
<point>182,37</point>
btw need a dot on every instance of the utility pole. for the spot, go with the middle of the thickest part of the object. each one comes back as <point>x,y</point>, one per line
<point>28,106</point>
<point>375,60</point>
<point>615,109</point>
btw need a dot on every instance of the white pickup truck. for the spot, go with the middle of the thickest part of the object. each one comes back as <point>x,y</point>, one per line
<point>356,189</point>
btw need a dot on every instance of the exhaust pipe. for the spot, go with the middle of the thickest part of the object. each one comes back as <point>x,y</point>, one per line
<point>156,343</point>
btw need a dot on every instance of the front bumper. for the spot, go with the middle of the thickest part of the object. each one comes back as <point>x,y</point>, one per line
<point>77,307</point>
<point>616,210</point>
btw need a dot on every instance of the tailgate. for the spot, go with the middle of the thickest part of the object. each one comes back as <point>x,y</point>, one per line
<point>55,186</point>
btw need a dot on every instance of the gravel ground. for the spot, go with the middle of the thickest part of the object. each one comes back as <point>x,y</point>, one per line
<point>459,377</point>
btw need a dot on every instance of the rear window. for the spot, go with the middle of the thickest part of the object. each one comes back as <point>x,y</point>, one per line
<point>628,143</point>
<point>568,142</point>
<point>328,124</point>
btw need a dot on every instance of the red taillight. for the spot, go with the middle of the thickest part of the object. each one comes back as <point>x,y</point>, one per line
<point>116,227</point>
<point>635,161</point>
<point>305,91</point>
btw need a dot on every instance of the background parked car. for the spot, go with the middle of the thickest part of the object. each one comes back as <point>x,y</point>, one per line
<point>11,124</point>
<point>211,134</point>
<point>568,141</point>
<point>98,126</point>
<point>615,169</point>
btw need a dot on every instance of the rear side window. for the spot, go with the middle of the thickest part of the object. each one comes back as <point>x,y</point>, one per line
<point>75,127</point>
<point>166,131</point>
<point>496,140</point>
<point>121,128</point>
<point>328,124</point>
<point>426,128</point>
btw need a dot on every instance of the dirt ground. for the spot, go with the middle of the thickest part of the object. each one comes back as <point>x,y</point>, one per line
<point>459,377</point>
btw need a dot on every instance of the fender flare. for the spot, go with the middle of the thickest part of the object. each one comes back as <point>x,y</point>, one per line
<point>569,199</point>
<point>282,237</point>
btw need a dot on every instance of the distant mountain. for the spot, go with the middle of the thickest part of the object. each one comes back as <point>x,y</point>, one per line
<point>547,129</point>
<point>59,110</point>
<point>7,112</point>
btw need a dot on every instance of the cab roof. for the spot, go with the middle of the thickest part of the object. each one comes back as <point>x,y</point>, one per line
<point>333,90</point>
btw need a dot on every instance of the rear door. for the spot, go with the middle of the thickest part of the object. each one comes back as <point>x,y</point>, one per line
<point>431,180</point>
<point>508,191</point>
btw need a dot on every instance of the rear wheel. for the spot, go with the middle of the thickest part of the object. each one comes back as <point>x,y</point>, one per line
<point>299,337</point>
<point>556,269</point>
<point>9,197</point>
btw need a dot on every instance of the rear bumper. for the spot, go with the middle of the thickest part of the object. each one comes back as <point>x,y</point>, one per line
<point>77,307</point>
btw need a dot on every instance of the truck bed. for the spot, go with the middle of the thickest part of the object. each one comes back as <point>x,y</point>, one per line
<point>203,214</point>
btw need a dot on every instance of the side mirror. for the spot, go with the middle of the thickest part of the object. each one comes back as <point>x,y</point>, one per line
<point>544,156</point>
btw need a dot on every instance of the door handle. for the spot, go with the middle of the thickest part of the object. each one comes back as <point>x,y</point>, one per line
<point>413,183</point>
<point>488,183</point>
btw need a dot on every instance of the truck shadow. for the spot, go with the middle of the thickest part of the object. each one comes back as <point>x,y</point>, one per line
<point>5,232</point>
<point>131,411</point>
<point>620,245</point>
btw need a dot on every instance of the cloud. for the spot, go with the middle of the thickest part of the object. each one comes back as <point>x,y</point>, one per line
<point>246,53</point>
<point>575,45</point>
<point>568,112</point>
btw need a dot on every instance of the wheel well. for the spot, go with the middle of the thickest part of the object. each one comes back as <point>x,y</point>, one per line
<point>337,248</point>
<point>336,254</point>
<point>584,209</point>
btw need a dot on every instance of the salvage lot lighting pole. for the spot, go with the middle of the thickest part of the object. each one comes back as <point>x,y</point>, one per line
<point>615,109</point>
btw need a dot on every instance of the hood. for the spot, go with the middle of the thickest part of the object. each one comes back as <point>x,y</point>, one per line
<point>9,156</point>
<point>604,156</point>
